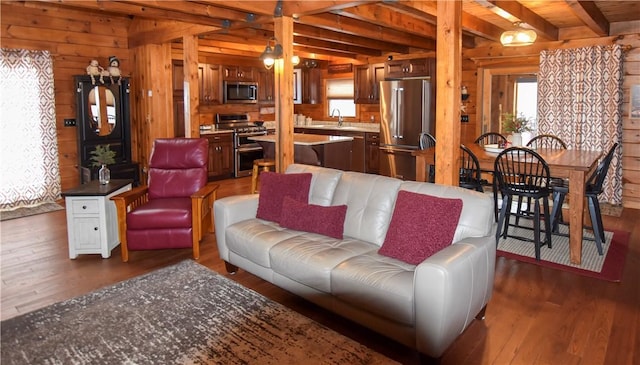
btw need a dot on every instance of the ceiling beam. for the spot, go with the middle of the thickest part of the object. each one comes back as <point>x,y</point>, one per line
<point>160,31</point>
<point>359,41</point>
<point>589,13</point>
<point>346,25</point>
<point>296,9</point>
<point>513,11</point>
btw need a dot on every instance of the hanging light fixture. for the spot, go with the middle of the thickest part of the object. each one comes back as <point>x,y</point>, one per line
<point>518,37</point>
<point>270,55</point>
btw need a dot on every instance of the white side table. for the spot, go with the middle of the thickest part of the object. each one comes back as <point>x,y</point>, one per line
<point>92,222</point>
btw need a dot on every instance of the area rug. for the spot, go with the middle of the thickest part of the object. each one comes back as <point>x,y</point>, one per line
<point>25,212</point>
<point>608,266</point>
<point>181,314</point>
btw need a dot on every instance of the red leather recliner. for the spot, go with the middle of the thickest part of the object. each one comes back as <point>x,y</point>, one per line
<point>175,207</point>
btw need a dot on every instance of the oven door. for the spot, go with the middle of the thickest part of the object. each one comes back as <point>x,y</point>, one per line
<point>244,160</point>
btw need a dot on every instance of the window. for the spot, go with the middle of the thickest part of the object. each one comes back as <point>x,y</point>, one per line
<point>526,99</point>
<point>340,97</point>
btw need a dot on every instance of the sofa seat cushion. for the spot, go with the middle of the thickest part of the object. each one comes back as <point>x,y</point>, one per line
<point>254,238</point>
<point>376,284</point>
<point>166,213</point>
<point>308,258</point>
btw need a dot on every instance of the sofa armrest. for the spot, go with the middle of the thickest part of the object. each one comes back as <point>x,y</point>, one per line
<point>451,288</point>
<point>230,210</point>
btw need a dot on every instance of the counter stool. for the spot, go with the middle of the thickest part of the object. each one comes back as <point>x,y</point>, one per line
<point>261,164</point>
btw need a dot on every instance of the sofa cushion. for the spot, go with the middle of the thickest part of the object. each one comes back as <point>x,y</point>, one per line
<point>323,182</point>
<point>421,226</point>
<point>328,221</point>
<point>274,187</point>
<point>471,223</point>
<point>376,284</point>
<point>369,199</point>
<point>308,258</point>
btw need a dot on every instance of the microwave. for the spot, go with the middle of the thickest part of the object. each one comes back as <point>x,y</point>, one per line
<point>237,92</point>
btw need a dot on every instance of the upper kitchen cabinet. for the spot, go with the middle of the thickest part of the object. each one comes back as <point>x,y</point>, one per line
<point>365,80</point>
<point>210,84</point>
<point>311,86</point>
<point>417,67</point>
<point>238,73</point>
<point>266,86</point>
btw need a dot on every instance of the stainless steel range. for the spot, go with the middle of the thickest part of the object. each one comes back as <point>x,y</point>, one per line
<point>245,150</point>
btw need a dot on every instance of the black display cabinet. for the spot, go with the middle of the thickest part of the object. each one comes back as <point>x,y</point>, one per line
<point>102,118</point>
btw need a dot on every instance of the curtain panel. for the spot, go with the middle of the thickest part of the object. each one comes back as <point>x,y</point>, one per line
<point>29,170</point>
<point>580,100</point>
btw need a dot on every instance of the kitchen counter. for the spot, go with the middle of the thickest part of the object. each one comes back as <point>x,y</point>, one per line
<point>333,126</point>
<point>312,149</point>
<point>214,131</point>
<point>305,139</point>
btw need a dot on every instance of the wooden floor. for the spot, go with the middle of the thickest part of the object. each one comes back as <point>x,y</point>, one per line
<point>536,315</point>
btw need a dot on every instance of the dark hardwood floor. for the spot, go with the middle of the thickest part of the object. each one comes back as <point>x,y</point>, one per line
<point>536,315</point>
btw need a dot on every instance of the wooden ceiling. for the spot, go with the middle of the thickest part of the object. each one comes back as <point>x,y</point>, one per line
<point>341,29</point>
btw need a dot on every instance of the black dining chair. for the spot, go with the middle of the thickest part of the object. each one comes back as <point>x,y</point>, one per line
<point>469,170</point>
<point>427,141</point>
<point>593,188</point>
<point>522,173</point>
<point>547,141</point>
<point>491,138</point>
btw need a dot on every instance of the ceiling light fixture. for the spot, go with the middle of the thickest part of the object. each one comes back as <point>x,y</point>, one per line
<point>518,37</point>
<point>271,54</point>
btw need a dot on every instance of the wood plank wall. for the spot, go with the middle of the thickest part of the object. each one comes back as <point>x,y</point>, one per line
<point>74,38</point>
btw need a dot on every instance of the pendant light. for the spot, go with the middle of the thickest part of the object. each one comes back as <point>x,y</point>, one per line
<point>518,37</point>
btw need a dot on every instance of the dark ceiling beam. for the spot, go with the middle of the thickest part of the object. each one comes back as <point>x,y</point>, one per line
<point>590,15</point>
<point>346,25</point>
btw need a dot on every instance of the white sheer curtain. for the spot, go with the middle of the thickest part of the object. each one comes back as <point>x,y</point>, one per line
<point>29,172</point>
<point>580,101</point>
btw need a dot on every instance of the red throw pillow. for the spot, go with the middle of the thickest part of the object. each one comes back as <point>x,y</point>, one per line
<point>421,225</point>
<point>274,187</point>
<point>328,221</point>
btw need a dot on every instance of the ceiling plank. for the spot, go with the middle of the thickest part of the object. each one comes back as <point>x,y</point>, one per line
<point>514,11</point>
<point>589,13</point>
<point>319,33</point>
<point>346,25</point>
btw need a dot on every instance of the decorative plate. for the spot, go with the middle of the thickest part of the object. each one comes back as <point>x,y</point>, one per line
<point>493,148</point>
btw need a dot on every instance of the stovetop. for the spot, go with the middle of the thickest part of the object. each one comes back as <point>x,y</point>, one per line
<point>239,123</point>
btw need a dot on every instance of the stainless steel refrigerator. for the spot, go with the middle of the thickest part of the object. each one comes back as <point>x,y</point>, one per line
<point>406,111</point>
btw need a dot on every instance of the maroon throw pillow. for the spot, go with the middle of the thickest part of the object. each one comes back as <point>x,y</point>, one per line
<point>274,187</point>
<point>421,225</point>
<point>328,221</point>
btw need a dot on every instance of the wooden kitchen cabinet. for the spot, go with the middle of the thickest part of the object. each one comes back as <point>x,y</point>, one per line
<point>238,73</point>
<point>210,84</point>
<point>417,67</point>
<point>372,142</point>
<point>266,86</point>
<point>311,86</point>
<point>220,155</point>
<point>366,80</point>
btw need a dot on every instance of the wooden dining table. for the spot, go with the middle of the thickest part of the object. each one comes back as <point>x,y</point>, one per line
<point>574,165</point>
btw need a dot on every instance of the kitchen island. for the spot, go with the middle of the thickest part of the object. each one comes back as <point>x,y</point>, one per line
<point>313,149</point>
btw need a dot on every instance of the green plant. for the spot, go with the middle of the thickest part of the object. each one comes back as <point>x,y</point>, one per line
<point>515,124</point>
<point>102,155</point>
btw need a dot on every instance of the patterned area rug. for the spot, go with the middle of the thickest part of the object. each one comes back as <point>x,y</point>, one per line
<point>607,266</point>
<point>182,314</point>
<point>25,212</point>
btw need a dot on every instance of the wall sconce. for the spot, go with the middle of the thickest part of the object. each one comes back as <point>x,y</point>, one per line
<point>270,55</point>
<point>518,37</point>
<point>464,93</point>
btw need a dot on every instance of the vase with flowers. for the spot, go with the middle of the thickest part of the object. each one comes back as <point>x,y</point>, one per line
<point>101,157</point>
<point>516,125</point>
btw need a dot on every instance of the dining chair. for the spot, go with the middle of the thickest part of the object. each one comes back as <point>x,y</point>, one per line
<point>593,188</point>
<point>521,172</point>
<point>427,141</point>
<point>469,170</point>
<point>490,138</point>
<point>547,141</point>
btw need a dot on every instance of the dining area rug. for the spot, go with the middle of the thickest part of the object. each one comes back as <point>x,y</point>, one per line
<point>180,314</point>
<point>608,266</point>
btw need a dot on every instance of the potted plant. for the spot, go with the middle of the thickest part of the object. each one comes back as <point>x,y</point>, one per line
<point>102,156</point>
<point>515,125</point>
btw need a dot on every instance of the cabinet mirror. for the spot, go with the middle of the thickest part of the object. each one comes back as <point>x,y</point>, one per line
<point>102,110</point>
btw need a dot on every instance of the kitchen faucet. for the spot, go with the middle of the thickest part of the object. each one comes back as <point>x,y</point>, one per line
<point>340,120</point>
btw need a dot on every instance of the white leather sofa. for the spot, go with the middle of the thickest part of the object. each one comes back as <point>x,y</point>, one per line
<point>425,306</point>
